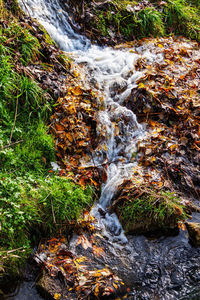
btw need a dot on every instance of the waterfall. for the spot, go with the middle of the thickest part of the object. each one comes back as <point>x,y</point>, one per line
<point>110,68</point>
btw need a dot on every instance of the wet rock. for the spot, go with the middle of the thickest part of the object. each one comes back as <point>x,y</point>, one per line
<point>194,232</point>
<point>49,286</point>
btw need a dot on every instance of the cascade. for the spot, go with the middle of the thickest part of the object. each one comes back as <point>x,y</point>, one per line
<point>165,268</point>
<point>109,67</point>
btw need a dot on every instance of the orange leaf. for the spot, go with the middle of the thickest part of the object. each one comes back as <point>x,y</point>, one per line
<point>84,242</point>
<point>77,91</point>
<point>115,286</point>
<point>69,136</point>
<point>59,127</point>
<point>96,290</point>
<point>97,251</point>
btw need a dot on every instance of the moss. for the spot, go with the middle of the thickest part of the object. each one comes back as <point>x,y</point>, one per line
<point>32,207</point>
<point>46,36</point>
<point>10,8</point>
<point>132,19</point>
<point>151,212</point>
<point>33,204</point>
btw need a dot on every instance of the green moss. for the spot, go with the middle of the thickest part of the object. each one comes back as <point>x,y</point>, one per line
<point>32,207</point>
<point>101,24</point>
<point>46,37</point>
<point>182,19</point>
<point>33,204</point>
<point>152,211</point>
<point>173,16</point>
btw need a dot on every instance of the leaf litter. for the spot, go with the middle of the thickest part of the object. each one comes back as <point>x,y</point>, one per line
<point>83,276</point>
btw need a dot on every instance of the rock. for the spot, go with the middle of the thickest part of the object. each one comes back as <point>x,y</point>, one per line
<point>194,232</point>
<point>48,286</point>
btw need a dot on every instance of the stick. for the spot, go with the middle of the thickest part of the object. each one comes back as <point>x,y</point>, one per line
<point>64,68</point>
<point>54,219</point>
<point>9,145</point>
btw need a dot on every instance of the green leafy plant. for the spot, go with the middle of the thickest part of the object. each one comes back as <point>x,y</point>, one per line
<point>150,22</point>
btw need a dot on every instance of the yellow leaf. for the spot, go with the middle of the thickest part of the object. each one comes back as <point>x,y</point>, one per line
<point>179,107</point>
<point>94,182</point>
<point>173,147</point>
<point>115,286</point>
<point>105,147</point>
<point>160,46</point>
<point>77,91</point>
<point>96,290</point>
<point>81,259</point>
<point>76,73</point>
<point>57,296</point>
<point>69,136</point>
<point>141,85</point>
<point>71,109</point>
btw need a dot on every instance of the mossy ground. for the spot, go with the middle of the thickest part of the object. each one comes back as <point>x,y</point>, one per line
<point>116,20</point>
<point>33,202</point>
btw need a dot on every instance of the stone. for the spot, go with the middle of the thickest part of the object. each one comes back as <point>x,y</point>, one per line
<point>194,232</point>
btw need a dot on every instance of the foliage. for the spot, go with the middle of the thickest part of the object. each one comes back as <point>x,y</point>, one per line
<point>32,203</point>
<point>152,208</point>
<point>150,22</point>
<point>83,274</point>
<point>137,19</point>
<point>33,206</point>
<point>75,136</point>
<point>171,110</point>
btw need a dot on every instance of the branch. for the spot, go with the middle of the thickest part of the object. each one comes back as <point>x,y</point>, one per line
<point>9,145</point>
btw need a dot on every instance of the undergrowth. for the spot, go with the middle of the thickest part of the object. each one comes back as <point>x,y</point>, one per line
<point>158,18</point>
<point>33,202</point>
<point>152,210</point>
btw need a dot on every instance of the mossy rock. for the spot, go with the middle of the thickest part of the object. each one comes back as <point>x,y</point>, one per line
<point>153,211</point>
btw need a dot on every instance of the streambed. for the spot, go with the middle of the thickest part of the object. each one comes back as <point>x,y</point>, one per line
<point>162,268</point>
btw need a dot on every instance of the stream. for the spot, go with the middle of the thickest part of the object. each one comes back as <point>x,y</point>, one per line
<point>164,268</point>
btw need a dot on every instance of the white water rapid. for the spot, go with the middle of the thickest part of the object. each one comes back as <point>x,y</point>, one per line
<point>112,70</point>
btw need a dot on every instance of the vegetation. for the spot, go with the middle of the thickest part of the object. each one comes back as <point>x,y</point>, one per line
<point>136,19</point>
<point>151,211</point>
<point>33,202</point>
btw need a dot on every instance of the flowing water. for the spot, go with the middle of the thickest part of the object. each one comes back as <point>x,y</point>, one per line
<point>113,73</point>
<point>110,70</point>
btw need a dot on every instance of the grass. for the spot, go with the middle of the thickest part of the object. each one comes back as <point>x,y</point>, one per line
<point>152,210</point>
<point>174,16</point>
<point>33,202</point>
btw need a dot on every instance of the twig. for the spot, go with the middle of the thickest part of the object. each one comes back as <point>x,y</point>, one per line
<point>64,68</point>
<point>54,219</point>
<point>10,251</point>
<point>16,108</point>
<point>9,145</point>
